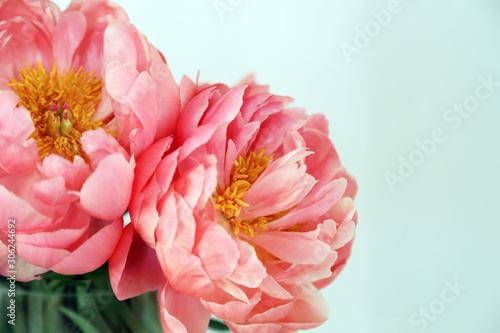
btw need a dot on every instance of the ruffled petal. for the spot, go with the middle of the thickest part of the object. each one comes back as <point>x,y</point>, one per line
<point>95,249</point>
<point>169,102</point>
<point>184,271</point>
<point>98,144</point>
<point>319,201</point>
<point>136,105</point>
<point>280,187</point>
<point>106,193</point>
<point>52,192</point>
<point>294,247</point>
<point>181,313</point>
<point>124,44</point>
<point>22,270</point>
<point>250,272</point>
<point>14,207</point>
<point>18,154</point>
<point>133,267</point>
<point>218,261</point>
<point>70,30</point>
<point>235,311</point>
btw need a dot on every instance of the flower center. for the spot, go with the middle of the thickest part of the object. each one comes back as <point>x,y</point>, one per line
<point>245,172</point>
<point>61,107</point>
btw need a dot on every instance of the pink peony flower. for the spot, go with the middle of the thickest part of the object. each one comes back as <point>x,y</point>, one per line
<point>247,209</point>
<point>79,102</point>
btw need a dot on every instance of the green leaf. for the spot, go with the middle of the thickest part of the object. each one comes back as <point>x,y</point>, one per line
<point>35,318</point>
<point>53,319</point>
<point>56,276</point>
<point>79,321</point>
<point>217,325</point>
<point>21,319</point>
<point>101,272</point>
<point>145,307</point>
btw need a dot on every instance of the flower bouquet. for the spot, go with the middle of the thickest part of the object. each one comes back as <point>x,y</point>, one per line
<point>239,206</point>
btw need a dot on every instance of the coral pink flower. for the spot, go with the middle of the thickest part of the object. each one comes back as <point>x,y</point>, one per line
<point>248,210</point>
<point>78,104</point>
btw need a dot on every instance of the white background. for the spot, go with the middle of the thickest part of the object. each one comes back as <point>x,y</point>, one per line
<point>441,224</point>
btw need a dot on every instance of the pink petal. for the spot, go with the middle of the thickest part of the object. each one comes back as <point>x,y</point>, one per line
<point>136,106</point>
<point>200,137</point>
<point>69,32</point>
<point>74,174</point>
<point>345,233</point>
<point>325,162</point>
<point>168,99</point>
<point>177,225</point>
<point>47,247</point>
<point>14,206</point>
<point>123,43</point>
<point>259,106</point>
<point>148,162</point>
<point>197,185</point>
<point>133,267</point>
<point>298,274</point>
<point>119,80</point>
<point>274,289</point>
<point>98,144</point>
<point>352,186</point>
<point>343,211</point>
<point>190,185</point>
<point>95,250</point>
<point>319,201</point>
<point>143,100</point>
<point>235,311</point>
<point>249,272</point>
<point>15,122</point>
<point>181,313</point>
<point>52,192</point>
<point>252,104</point>
<point>184,271</point>
<point>256,328</point>
<point>144,203</point>
<point>310,310</point>
<point>294,247</point>
<point>280,187</point>
<point>273,130</point>
<point>318,122</point>
<point>226,108</point>
<point>273,314</point>
<point>217,251</point>
<point>144,214</point>
<point>166,222</point>
<point>106,193</point>
<point>225,289</point>
<point>24,271</point>
<point>272,105</point>
<point>18,159</point>
<point>25,39</point>
<point>18,154</point>
<point>192,113</point>
<point>98,15</point>
<point>244,136</point>
<point>187,90</point>
<point>231,156</point>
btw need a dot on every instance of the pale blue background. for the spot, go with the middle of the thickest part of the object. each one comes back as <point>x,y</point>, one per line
<point>442,224</point>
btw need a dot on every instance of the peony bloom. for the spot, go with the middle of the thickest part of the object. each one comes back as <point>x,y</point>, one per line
<point>244,213</point>
<point>78,104</point>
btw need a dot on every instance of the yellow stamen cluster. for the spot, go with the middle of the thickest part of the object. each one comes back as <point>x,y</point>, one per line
<point>61,107</point>
<point>244,174</point>
<point>248,226</point>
